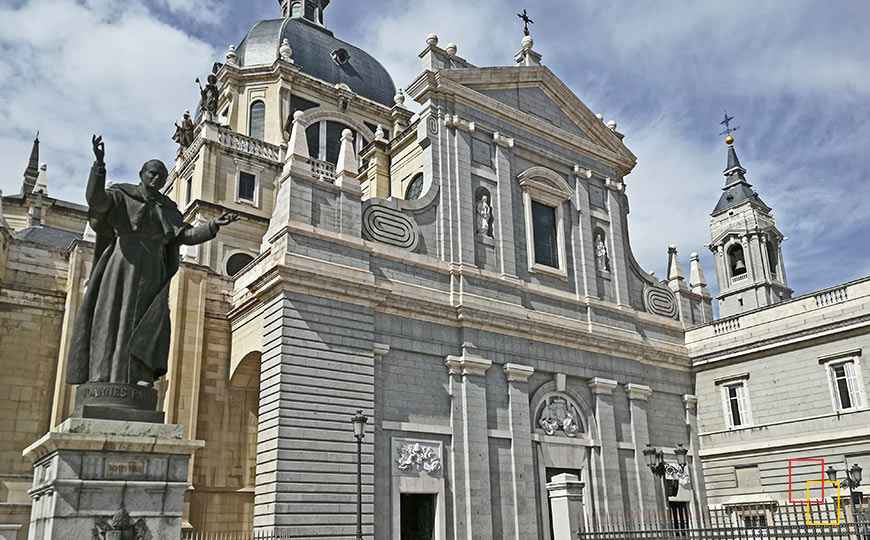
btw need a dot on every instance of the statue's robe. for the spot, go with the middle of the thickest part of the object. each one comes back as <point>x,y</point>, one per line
<point>121,333</point>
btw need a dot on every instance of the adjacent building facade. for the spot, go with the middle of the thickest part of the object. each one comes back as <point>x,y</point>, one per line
<point>781,390</point>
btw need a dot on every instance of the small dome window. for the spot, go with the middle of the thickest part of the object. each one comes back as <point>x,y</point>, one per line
<point>258,120</point>
<point>415,188</point>
<point>340,56</point>
<point>236,262</point>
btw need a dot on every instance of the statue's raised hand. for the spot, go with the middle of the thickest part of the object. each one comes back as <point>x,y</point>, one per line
<point>99,148</point>
<point>226,219</point>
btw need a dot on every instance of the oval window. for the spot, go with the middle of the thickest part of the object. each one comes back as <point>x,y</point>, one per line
<point>236,262</point>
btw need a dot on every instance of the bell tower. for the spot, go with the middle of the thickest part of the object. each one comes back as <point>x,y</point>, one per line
<point>746,245</point>
<point>311,10</point>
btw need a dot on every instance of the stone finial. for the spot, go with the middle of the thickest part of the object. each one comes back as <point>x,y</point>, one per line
<point>696,277</point>
<point>232,57</point>
<point>611,125</point>
<point>600,117</point>
<point>298,145</point>
<point>399,98</point>
<point>432,40</point>
<point>527,43</point>
<point>34,215</point>
<point>286,51</point>
<point>379,133</point>
<point>347,155</point>
<point>451,49</point>
<point>42,180</point>
<point>676,277</point>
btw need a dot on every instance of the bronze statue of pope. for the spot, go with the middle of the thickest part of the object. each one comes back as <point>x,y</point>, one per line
<point>121,333</point>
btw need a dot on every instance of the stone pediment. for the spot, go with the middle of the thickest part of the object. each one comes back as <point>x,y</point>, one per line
<point>538,93</point>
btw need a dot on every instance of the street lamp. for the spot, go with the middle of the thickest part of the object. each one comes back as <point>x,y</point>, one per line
<point>852,480</point>
<point>359,431</point>
<point>655,460</point>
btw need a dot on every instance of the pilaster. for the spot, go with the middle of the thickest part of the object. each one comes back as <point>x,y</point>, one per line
<point>618,266</point>
<point>638,396</point>
<point>504,205</point>
<point>525,515</point>
<point>690,402</point>
<point>602,392</point>
<point>472,503</point>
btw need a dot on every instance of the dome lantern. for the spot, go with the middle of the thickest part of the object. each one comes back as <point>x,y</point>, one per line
<point>310,10</point>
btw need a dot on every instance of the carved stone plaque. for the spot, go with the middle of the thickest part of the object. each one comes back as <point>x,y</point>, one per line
<point>416,458</point>
<point>125,468</point>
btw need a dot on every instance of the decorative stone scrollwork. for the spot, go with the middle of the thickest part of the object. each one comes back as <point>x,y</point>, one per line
<point>419,458</point>
<point>675,472</point>
<point>660,301</point>
<point>389,226</point>
<point>122,527</point>
<point>559,414</point>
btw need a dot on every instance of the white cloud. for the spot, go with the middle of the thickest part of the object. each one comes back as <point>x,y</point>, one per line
<point>104,66</point>
<point>209,12</point>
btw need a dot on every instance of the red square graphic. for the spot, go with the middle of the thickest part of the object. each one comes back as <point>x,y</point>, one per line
<point>802,488</point>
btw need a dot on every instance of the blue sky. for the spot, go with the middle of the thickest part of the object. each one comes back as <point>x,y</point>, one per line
<point>795,74</point>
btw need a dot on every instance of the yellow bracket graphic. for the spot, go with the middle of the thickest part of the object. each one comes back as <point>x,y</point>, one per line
<point>808,498</point>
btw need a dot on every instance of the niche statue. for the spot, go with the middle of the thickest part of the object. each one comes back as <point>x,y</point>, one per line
<point>120,341</point>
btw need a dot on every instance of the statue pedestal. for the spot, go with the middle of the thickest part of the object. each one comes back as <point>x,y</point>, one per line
<point>109,479</point>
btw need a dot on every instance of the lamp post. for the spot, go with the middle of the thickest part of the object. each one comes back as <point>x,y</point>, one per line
<point>852,480</point>
<point>359,431</point>
<point>655,460</point>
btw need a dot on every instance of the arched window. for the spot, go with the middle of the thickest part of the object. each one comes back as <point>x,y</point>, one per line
<point>772,257</point>
<point>258,120</point>
<point>415,188</point>
<point>736,261</point>
<point>324,140</point>
<point>296,9</point>
<point>236,262</point>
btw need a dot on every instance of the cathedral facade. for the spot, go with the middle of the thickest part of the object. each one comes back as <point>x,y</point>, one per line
<point>462,275</point>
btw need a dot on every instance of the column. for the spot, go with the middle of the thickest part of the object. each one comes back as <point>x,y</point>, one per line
<point>638,396</point>
<point>566,500</point>
<point>469,455</point>
<point>602,391</point>
<point>525,516</point>
<point>696,471</point>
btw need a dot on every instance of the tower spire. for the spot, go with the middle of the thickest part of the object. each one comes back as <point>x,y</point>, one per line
<point>31,173</point>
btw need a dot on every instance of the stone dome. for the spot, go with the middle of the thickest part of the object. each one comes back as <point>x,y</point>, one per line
<point>313,47</point>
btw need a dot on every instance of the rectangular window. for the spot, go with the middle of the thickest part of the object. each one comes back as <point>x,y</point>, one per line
<point>247,185</point>
<point>736,409</point>
<point>544,231</point>
<point>845,385</point>
<point>188,191</point>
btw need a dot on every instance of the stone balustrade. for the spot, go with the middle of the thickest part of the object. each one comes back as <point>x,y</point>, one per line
<point>323,170</point>
<point>831,296</point>
<point>248,145</point>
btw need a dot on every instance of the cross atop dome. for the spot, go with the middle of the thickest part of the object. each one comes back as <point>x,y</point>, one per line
<point>311,10</point>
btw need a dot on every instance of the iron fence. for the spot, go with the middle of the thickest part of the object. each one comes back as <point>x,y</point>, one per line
<point>740,522</point>
<point>279,534</point>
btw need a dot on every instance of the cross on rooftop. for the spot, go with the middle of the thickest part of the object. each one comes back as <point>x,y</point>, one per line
<point>526,21</point>
<point>727,123</point>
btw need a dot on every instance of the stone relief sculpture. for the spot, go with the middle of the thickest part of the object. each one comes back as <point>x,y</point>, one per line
<point>602,262</point>
<point>559,414</point>
<point>484,216</point>
<point>416,457</point>
<point>122,527</point>
<point>120,341</point>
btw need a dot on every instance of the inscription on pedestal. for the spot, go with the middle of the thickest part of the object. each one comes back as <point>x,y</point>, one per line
<point>125,468</point>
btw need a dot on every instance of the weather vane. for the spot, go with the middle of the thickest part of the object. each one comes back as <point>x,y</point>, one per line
<point>728,129</point>
<point>526,21</point>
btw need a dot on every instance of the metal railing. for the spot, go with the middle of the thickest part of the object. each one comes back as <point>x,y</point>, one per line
<point>278,534</point>
<point>770,521</point>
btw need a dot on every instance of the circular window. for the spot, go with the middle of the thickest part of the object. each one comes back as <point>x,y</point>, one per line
<point>236,262</point>
<point>415,188</point>
<point>340,56</point>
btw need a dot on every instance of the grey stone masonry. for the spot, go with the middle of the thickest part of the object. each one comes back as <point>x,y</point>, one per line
<point>469,453</point>
<point>86,471</point>
<point>525,517</point>
<point>602,391</point>
<point>638,396</point>
<point>317,370</point>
